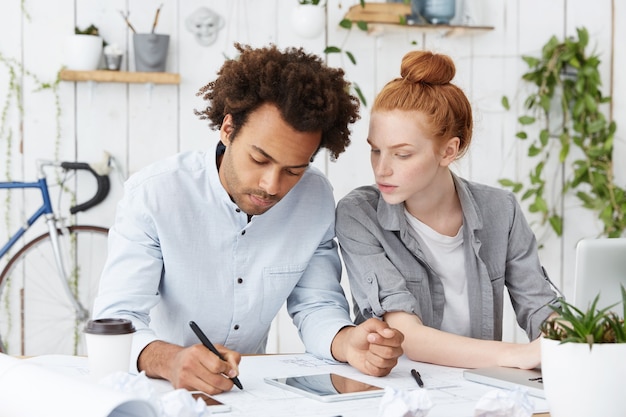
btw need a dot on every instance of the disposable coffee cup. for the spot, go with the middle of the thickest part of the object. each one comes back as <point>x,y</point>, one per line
<point>108,346</point>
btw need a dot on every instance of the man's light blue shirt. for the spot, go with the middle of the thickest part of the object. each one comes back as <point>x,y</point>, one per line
<point>181,250</point>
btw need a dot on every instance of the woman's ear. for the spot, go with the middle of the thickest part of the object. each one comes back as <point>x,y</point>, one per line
<point>450,151</point>
<point>226,130</point>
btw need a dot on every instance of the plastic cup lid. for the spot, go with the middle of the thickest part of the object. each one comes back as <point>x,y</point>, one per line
<point>109,326</point>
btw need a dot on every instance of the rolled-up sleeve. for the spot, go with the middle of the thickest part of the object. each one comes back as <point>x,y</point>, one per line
<point>376,283</point>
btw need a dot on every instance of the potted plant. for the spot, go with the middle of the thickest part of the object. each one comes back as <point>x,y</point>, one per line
<point>569,128</point>
<point>83,50</point>
<point>583,361</point>
<point>308,18</point>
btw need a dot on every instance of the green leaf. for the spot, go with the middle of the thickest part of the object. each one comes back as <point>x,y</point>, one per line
<point>331,50</point>
<point>526,120</point>
<point>362,25</point>
<point>530,192</point>
<point>590,103</point>
<point>583,37</point>
<point>545,101</point>
<point>595,126</point>
<point>544,136</point>
<point>534,151</point>
<point>541,204</point>
<point>359,93</point>
<point>531,61</point>
<point>505,103</point>
<point>522,135</point>
<point>507,183</point>
<point>579,106</point>
<point>557,224</point>
<point>346,23</point>
<point>564,152</point>
<point>351,57</point>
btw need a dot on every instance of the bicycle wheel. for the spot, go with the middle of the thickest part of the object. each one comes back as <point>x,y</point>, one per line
<point>36,315</point>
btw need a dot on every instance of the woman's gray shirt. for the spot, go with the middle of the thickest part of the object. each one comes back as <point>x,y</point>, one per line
<point>388,271</point>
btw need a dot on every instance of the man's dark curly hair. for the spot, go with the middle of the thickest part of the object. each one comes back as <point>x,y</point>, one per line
<point>309,95</point>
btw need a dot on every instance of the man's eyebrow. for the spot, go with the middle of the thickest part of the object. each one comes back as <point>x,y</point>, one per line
<point>265,154</point>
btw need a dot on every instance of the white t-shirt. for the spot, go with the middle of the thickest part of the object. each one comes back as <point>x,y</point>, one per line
<point>446,256</point>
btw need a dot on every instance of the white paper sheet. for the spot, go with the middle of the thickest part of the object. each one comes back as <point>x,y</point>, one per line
<point>30,389</point>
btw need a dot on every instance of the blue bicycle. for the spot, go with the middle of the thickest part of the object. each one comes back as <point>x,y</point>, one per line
<point>48,286</point>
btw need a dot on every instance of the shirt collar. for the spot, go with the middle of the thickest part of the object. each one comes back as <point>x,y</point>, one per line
<point>391,216</point>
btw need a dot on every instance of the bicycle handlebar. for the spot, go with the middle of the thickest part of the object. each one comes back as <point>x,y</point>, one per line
<point>103,183</point>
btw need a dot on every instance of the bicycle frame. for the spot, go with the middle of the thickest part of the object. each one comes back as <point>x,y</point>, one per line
<point>47,211</point>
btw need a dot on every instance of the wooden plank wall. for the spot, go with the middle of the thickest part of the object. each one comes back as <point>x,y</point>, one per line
<point>139,123</point>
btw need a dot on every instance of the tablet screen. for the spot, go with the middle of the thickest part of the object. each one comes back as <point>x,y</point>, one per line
<point>327,387</point>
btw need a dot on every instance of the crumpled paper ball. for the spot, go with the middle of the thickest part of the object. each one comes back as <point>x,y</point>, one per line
<point>399,403</point>
<point>176,403</point>
<point>504,403</point>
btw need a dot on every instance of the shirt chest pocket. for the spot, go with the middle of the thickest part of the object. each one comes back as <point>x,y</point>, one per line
<point>415,280</point>
<point>278,282</point>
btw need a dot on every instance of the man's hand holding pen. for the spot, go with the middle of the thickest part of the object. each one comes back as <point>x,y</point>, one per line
<point>194,368</point>
<point>197,368</point>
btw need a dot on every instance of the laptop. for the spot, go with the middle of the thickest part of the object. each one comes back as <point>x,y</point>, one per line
<point>508,378</point>
<point>600,268</point>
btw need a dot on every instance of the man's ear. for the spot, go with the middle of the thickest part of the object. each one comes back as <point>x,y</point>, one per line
<point>450,151</point>
<point>227,129</point>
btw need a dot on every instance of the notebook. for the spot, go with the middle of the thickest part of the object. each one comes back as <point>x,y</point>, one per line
<point>508,378</point>
<point>600,268</point>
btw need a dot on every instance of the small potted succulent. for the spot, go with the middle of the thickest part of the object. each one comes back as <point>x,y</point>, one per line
<point>583,361</point>
<point>308,18</point>
<point>83,50</point>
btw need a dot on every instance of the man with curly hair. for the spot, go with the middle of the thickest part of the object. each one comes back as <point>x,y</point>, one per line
<point>225,238</point>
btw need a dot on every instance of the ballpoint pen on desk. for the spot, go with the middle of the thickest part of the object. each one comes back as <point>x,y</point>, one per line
<point>207,343</point>
<point>417,377</point>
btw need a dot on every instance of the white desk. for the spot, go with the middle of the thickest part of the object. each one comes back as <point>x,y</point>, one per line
<point>451,394</point>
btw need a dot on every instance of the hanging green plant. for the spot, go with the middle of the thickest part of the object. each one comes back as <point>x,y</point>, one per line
<point>331,49</point>
<point>567,108</point>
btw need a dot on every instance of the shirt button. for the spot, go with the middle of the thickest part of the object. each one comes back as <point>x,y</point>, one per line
<point>239,280</point>
<point>236,327</point>
<point>243,232</point>
<point>238,210</point>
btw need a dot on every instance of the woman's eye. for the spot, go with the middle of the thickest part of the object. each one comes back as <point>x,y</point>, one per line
<point>403,155</point>
<point>375,151</point>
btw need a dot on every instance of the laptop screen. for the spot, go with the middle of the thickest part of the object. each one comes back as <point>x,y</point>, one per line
<point>600,268</point>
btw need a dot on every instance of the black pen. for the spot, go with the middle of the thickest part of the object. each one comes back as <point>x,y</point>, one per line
<point>417,377</point>
<point>207,343</point>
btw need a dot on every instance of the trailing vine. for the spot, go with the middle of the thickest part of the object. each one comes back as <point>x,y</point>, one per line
<point>331,49</point>
<point>566,89</point>
<point>14,100</point>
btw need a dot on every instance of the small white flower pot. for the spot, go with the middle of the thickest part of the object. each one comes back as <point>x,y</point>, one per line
<point>308,20</point>
<point>579,382</point>
<point>83,52</point>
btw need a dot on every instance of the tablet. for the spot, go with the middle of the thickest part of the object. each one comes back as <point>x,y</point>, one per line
<point>327,387</point>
